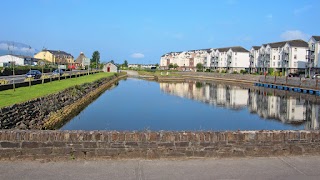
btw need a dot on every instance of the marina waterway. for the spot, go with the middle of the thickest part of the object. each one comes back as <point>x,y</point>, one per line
<point>135,104</point>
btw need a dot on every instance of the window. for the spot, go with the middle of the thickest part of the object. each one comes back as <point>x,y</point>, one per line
<point>235,53</point>
<point>295,64</point>
<point>274,64</point>
<point>278,63</point>
<point>295,56</point>
<point>279,57</point>
<point>274,57</point>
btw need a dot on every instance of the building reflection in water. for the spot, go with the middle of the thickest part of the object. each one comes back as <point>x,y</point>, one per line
<point>287,109</point>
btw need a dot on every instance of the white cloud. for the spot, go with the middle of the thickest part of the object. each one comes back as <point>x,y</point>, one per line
<point>294,34</point>
<point>137,55</point>
<point>302,9</point>
<point>5,46</point>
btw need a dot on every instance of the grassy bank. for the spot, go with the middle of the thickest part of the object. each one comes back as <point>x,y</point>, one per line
<point>10,97</point>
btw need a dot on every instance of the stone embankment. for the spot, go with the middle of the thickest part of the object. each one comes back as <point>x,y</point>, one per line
<point>246,78</point>
<point>50,111</point>
<point>149,145</point>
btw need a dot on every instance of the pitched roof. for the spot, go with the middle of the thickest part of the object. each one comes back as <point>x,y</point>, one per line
<point>298,43</point>
<point>80,58</point>
<point>225,49</point>
<point>277,44</point>
<point>317,38</point>
<point>256,47</point>
<point>56,53</point>
<point>238,49</point>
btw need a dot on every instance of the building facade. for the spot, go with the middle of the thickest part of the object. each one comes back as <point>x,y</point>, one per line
<point>18,60</point>
<point>110,67</point>
<point>313,55</point>
<point>55,57</point>
<point>228,59</point>
<point>285,57</point>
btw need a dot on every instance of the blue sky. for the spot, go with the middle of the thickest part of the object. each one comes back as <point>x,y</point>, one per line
<point>140,31</point>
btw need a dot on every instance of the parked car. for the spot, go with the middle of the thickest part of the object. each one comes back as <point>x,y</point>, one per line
<point>36,74</point>
<point>57,72</point>
<point>316,76</point>
<point>293,75</point>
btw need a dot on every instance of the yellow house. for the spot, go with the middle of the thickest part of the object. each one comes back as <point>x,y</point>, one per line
<point>55,57</point>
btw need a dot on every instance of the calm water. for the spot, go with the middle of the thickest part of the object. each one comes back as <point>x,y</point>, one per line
<point>136,104</point>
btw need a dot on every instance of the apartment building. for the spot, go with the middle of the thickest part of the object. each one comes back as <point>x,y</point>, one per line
<point>313,55</point>
<point>229,58</point>
<point>286,56</point>
<point>55,56</point>
<point>254,59</point>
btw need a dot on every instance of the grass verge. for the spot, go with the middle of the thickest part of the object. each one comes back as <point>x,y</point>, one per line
<point>10,97</point>
<point>158,73</point>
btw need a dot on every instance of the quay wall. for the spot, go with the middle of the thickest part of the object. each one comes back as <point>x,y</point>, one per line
<point>68,145</point>
<point>51,111</point>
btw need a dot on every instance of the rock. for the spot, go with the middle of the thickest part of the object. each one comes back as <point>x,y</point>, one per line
<point>22,126</point>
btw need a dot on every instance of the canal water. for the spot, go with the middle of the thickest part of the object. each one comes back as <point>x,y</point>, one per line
<point>135,104</point>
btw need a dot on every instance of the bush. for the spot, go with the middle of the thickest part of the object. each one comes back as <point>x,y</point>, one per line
<point>235,72</point>
<point>242,71</point>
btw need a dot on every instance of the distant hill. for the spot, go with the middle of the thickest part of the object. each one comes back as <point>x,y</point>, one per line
<point>8,47</point>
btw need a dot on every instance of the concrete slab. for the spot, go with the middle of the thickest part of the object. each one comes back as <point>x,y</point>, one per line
<point>298,167</point>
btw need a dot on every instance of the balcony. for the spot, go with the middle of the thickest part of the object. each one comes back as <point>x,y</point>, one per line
<point>312,48</point>
<point>311,57</point>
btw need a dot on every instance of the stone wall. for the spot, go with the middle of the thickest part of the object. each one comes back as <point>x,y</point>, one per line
<point>246,77</point>
<point>111,144</point>
<point>292,81</point>
<point>35,113</point>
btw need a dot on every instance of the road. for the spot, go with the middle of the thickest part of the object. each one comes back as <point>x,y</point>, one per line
<point>298,167</point>
<point>20,78</point>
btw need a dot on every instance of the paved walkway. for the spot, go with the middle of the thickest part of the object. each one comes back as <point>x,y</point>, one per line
<point>132,73</point>
<point>298,167</point>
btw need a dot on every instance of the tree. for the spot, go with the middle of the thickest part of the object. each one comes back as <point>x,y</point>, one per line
<point>112,61</point>
<point>175,66</point>
<point>157,65</point>
<point>199,67</point>
<point>95,57</point>
<point>125,63</point>
<point>95,60</point>
<point>170,65</point>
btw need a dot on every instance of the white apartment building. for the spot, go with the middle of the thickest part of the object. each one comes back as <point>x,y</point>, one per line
<point>221,58</point>
<point>237,59</point>
<point>313,54</point>
<point>254,59</point>
<point>285,56</point>
<point>228,58</point>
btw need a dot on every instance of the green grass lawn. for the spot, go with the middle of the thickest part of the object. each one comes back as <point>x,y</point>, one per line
<point>22,94</point>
